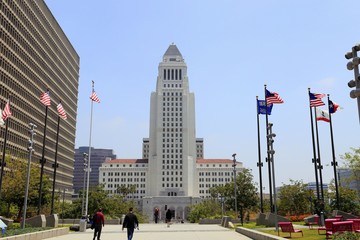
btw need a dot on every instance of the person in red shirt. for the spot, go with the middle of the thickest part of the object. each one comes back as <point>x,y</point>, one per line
<point>98,220</point>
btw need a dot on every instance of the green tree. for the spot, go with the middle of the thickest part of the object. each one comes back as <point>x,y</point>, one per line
<point>132,190</point>
<point>246,193</point>
<point>13,186</point>
<point>348,199</point>
<point>123,190</point>
<point>113,205</point>
<point>352,161</point>
<point>206,209</point>
<point>294,198</point>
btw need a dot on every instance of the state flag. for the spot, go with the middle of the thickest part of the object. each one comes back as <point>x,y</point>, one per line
<point>322,115</point>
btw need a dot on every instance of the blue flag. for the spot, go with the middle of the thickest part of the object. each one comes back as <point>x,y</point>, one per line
<point>261,107</point>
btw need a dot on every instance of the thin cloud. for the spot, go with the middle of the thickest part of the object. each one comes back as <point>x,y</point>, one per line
<point>327,83</point>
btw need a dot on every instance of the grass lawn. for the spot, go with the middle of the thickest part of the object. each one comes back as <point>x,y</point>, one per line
<point>309,234</point>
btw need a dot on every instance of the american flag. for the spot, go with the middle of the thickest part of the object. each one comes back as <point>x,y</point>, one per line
<point>61,111</point>
<point>6,112</point>
<point>315,99</point>
<point>273,98</point>
<point>45,98</point>
<point>94,97</point>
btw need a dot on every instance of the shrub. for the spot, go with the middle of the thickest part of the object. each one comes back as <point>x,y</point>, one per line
<point>297,218</point>
<point>346,236</point>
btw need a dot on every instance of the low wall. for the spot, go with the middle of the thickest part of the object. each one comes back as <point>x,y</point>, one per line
<point>224,221</point>
<point>77,221</point>
<point>40,235</point>
<point>36,221</point>
<point>269,219</point>
<point>256,235</point>
<point>210,221</point>
<point>343,214</point>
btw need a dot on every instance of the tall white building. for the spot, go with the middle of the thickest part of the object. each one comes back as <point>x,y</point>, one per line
<point>172,143</point>
<point>172,174</point>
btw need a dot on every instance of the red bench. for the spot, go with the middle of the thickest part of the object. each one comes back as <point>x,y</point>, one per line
<point>343,226</point>
<point>288,228</point>
<point>356,224</point>
<point>328,225</point>
<point>315,221</point>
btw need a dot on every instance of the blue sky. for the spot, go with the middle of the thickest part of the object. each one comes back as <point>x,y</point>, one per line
<point>232,48</point>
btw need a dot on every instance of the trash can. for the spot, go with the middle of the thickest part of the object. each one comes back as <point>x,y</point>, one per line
<point>82,225</point>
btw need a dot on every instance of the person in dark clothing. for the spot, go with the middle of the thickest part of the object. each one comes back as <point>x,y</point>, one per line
<point>98,220</point>
<point>130,222</point>
<point>168,216</point>
<point>156,215</point>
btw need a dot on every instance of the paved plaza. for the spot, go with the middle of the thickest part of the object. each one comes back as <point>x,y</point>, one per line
<point>159,231</point>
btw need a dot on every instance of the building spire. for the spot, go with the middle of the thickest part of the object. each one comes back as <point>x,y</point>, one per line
<point>173,53</point>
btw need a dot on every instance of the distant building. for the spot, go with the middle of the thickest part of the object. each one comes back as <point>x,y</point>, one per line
<point>312,186</point>
<point>117,172</point>
<point>345,179</point>
<point>172,174</point>
<point>98,156</point>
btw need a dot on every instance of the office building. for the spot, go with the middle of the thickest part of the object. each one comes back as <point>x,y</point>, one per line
<point>312,186</point>
<point>98,156</point>
<point>346,178</point>
<point>36,55</point>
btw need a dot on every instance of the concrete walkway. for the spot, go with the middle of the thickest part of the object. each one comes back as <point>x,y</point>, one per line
<point>160,231</point>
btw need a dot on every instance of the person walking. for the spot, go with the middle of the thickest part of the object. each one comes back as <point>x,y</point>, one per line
<point>168,216</point>
<point>130,223</point>
<point>156,215</point>
<point>98,221</point>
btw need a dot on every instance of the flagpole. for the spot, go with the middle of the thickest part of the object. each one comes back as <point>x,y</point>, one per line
<point>314,151</point>
<point>259,164</point>
<point>89,157</point>
<point>333,163</point>
<point>4,150</point>
<point>319,159</point>
<point>42,162</point>
<point>55,166</point>
<point>268,153</point>
<point>3,155</point>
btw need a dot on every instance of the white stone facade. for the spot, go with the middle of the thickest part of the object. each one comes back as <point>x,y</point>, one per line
<point>172,174</point>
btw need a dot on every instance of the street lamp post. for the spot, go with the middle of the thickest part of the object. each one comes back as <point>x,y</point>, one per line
<point>31,150</point>
<point>271,153</point>
<point>85,155</point>
<point>221,198</point>
<point>234,165</point>
<point>63,205</point>
<point>354,65</point>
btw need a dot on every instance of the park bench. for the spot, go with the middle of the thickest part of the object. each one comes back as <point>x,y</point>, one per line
<point>339,217</point>
<point>328,225</point>
<point>356,224</point>
<point>340,227</point>
<point>288,228</point>
<point>315,221</point>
